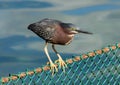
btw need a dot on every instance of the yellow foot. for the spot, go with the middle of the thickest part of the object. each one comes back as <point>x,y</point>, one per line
<point>62,64</point>
<point>53,68</point>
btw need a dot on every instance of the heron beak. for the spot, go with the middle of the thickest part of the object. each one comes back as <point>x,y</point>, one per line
<point>74,32</point>
<point>81,31</point>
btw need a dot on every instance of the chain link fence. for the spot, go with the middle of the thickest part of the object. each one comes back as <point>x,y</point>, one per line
<point>99,67</point>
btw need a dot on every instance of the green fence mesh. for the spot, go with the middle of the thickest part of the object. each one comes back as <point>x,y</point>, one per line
<point>100,67</point>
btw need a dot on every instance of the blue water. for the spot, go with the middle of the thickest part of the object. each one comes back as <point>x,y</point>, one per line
<point>21,49</point>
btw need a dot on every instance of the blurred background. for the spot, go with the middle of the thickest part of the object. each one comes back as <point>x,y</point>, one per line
<point>21,49</point>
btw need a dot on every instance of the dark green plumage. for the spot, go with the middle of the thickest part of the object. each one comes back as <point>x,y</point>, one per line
<point>50,29</point>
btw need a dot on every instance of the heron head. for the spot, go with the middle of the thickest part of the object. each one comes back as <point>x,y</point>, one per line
<point>70,28</point>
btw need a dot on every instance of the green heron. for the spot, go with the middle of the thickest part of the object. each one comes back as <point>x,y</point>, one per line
<point>55,32</point>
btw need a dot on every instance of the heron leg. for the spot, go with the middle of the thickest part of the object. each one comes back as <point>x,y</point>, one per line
<point>52,65</point>
<point>60,60</point>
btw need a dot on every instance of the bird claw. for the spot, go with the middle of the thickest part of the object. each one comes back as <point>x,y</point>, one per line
<point>53,68</point>
<point>62,64</point>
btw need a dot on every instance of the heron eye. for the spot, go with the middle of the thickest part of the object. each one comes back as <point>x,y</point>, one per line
<point>72,28</point>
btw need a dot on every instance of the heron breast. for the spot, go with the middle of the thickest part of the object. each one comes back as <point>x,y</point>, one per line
<point>62,38</point>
